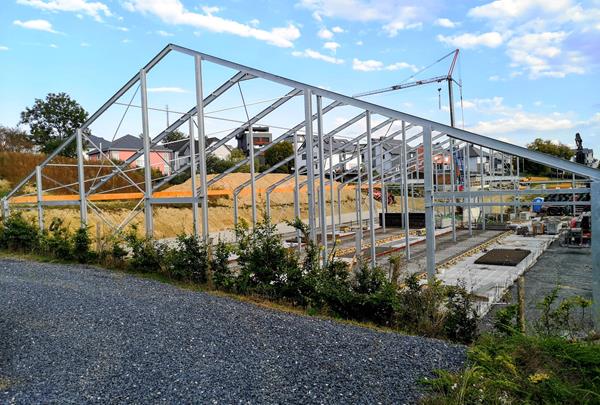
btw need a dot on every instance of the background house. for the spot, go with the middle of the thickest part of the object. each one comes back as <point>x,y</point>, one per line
<point>346,151</point>
<point>181,151</point>
<point>124,147</point>
<point>261,137</point>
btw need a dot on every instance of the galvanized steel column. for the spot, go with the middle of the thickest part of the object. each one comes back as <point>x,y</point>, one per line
<point>252,174</point>
<point>369,164</point>
<point>331,184</point>
<point>193,164</point>
<point>201,145</point>
<point>429,219</point>
<point>467,156</point>
<point>404,160</point>
<point>81,180</point>
<point>296,187</point>
<point>358,204</point>
<point>310,162</point>
<point>321,153</point>
<point>39,191</point>
<point>482,184</point>
<point>383,190</point>
<point>147,163</point>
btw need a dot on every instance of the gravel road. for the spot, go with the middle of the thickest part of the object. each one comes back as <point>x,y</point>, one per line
<point>73,334</point>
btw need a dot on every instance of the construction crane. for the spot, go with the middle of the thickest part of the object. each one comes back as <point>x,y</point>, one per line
<point>438,79</point>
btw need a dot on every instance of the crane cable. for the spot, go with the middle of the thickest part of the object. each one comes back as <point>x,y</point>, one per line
<point>426,67</point>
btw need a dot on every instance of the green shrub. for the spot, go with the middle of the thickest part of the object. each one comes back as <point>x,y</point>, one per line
<point>222,276</point>
<point>57,241</point>
<point>188,261</point>
<point>559,318</point>
<point>265,263</point>
<point>18,234</point>
<point>146,254</point>
<point>461,321</point>
<point>422,306</point>
<point>506,322</point>
<point>81,245</point>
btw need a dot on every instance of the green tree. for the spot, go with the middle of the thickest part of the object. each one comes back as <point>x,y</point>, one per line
<point>277,153</point>
<point>236,155</point>
<point>14,140</point>
<point>174,136</point>
<point>550,148</point>
<point>53,120</point>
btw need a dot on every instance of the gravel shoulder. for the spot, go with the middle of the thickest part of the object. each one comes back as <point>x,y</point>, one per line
<point>77,334</point>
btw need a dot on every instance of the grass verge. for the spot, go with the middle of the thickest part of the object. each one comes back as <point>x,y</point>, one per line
<point>522,369</point>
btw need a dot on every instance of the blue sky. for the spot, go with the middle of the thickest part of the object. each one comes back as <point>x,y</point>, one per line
<point>530,68</point>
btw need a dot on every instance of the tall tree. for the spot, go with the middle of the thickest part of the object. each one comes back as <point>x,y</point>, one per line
<point>277,153</point>
<point>14,140</point>
<point>174,136</point>
<point>53,120</point>
<point>550,148</point>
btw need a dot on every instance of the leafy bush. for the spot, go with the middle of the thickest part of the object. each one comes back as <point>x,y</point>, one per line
<point>422,306</point>
<point>57,241</point>
<point>189,260</point>
<point>505,320</point>
<point>81,245</point>
<point>461,321</point>
<point>18,234</point>
<point>146,254</point>
<point>559,318</point>
<point>264,262</point>
<point>222,276</point>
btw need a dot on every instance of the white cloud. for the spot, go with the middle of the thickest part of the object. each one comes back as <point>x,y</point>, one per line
<point>507,119</point>
<point>255,22</point>
<point>94,9</point>
<point>445,22</point>
<point>494,78</point>
<point>324,33</point>
<point>372,65</point>
<point>468,40</point>
<point>211,9</point>
<point>166,90</point>
<point>164,33</point>
<point>400,25</point>
<point>126,41</point>
<point>85,44</point>
<point>53,46</point>
<point>123,29</point>
<point>332,46</point>
<point>541,55</point>
<point>549,38</point>
<point>501,9</point>
<point>309,53</point>
<point>39,25</point>
<point>338,30</point>
<point>359,43</point>
<point>522,121</point>
<point>173,12</point>
<point>395,15</point>
<point>4,48</point>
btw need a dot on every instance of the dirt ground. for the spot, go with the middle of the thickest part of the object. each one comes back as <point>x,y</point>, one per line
<point>172,220</point>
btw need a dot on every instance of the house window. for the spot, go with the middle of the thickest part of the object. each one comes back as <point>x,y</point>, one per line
<point>139,162</point>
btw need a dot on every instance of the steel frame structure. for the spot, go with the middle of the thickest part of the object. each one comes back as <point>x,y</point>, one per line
<point>318,175</point>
